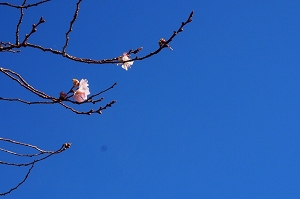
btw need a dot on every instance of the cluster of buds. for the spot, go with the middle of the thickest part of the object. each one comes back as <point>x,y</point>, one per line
<point>67,145</point>
<point>62,95</point>
<point>163,43</point>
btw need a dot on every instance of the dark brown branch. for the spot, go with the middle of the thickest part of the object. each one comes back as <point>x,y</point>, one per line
<point>25,102</point>
<point>71,25</point>
<point>23,5</point>
<point>180,29</point>
<point>19,23</point>
<point>111,87</point>
<point>92,61</point>
<point>73,58</point>
<point>64,97</point>
<point>25,178</point>
<point>33,30</point>
<point>99,110</point>
<point>41,152</point>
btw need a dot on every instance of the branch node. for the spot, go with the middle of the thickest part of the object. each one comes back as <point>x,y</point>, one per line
<point>42,20</point>
<point>67,145</point>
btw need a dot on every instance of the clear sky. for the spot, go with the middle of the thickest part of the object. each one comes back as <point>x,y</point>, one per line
<point>217,117</point>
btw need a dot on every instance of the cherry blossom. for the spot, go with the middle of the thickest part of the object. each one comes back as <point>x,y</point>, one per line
<point>125,65</point>
<point>80,95</point>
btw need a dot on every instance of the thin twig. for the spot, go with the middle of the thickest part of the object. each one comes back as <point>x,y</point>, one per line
<point>33,30</point>
<point>175,33</point>
<point>52,100</point>
<point>23,144</point>
<point>25,178</point>
<point>64,147</point>
<point>71,25</point>
<point>23,5</point>
<point>111,87</point>
<point>19,154</point>
<point>23,83</point>
<point>19,23</point>
<point>99,110</point>
<point>92,61</point>
<point>50,153</point>
<point>26,102</point>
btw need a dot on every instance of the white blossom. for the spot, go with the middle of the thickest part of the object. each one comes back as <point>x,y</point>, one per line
<point>80,95</point>
<point>123,58</point>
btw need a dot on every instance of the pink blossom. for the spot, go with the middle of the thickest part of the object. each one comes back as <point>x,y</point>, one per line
<point>83,91</point>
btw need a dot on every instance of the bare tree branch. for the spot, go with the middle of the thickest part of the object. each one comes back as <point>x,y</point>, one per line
<point>63,147</point>
<point>20,154</point>
<point>25,178</point>
<point>25,102</point>
<point>33,30</point>
<point>63,98</point>
<point>71,25</point>
<point>19,23</point>
<point>23,5</point>
<point>10,46</point>
<point>18,78</point>
<point>24,144</point>
<point>32,163</point>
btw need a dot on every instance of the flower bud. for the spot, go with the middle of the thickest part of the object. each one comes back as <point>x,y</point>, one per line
<point>62,95</point>
<point>75,82</point>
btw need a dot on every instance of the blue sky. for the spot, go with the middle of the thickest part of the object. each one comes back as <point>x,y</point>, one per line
<point>217,117</point>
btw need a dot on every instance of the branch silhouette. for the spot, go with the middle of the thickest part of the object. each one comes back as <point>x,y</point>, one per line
<point>20,183</point>
<point>64,97</point>
<point>41,153</point>
<point>77,94</point>
<point>8,46</point>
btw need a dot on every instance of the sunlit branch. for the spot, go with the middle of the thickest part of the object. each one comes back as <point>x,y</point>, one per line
<point>18,78</point>
<point>20,154</point>
<point>24,144</point>
<point>63,148</point>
